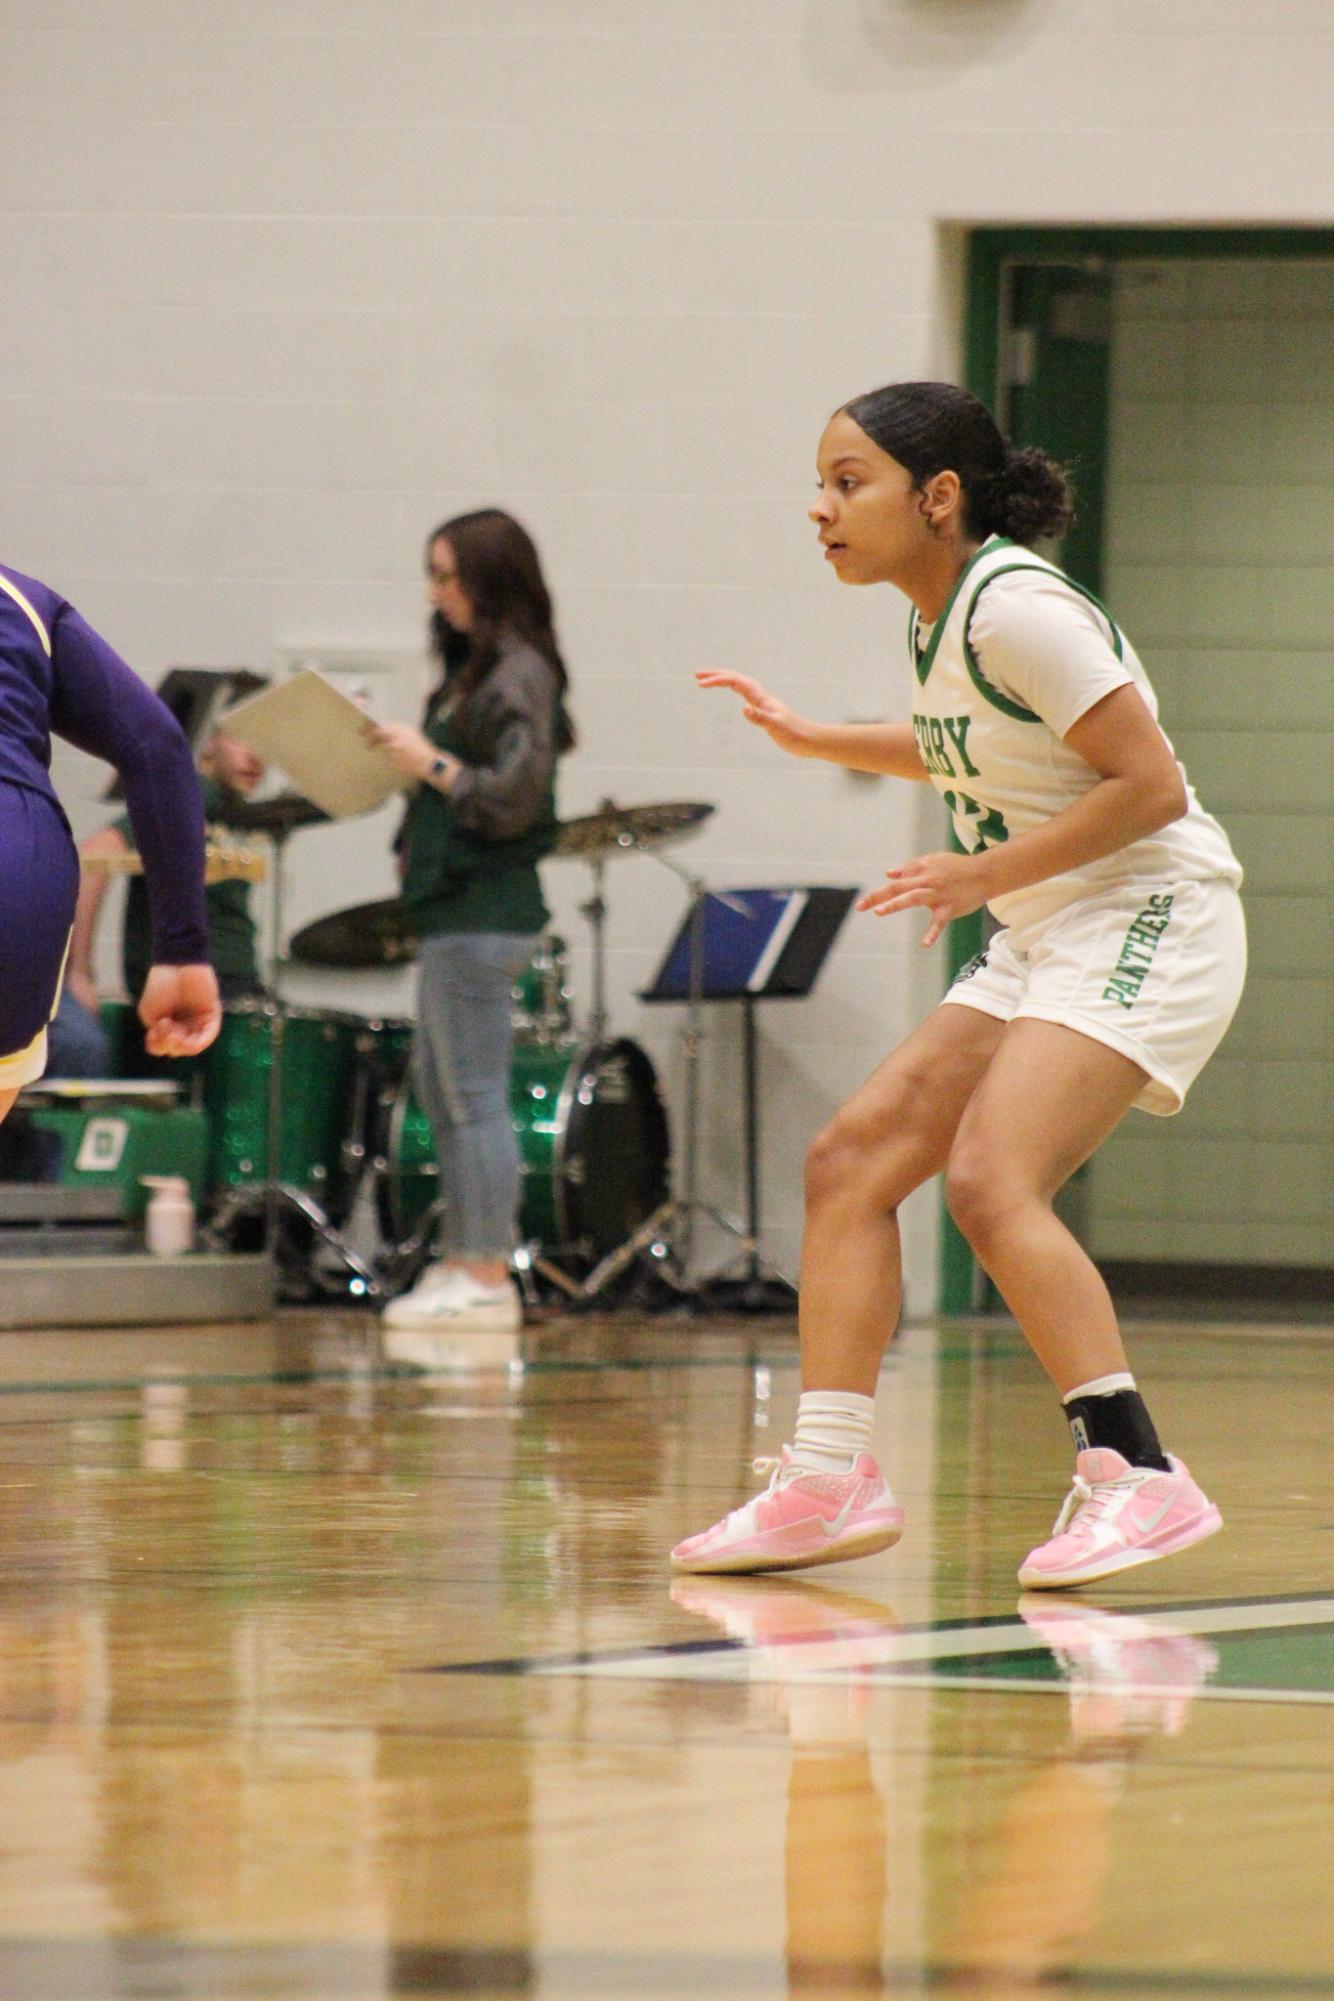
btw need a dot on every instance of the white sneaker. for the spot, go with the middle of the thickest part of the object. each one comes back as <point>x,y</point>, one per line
<point>446,1300</point>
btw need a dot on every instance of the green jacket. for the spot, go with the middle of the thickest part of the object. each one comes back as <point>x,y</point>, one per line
<point>471,855</point>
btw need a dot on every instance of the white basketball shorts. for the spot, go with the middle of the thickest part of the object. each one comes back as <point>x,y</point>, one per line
<point>1154,970</point>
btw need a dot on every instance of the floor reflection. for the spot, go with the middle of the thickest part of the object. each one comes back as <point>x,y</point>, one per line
<point>1039,1896</point>
<point>321,1681</point>
<point>836,1850</point>
<point>1026,1912</point>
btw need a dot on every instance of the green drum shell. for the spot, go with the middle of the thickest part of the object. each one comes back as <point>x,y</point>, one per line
<point>407,1175</point>
<point>593,1143</point>
<point>608,1149</point>
<point>541,1079</point>
<point>318,1063</point>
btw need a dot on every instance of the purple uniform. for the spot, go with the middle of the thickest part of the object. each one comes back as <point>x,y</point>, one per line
<point>58,675</point>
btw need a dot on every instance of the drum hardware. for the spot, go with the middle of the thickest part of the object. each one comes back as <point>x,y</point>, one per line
<point>277,1086</point>
<point>593,1142</point>
<point>543,1001</point>
<point>592,1129</point>
<point>646,1227</point>
<point>280,1153</point>
<point>618,830</point>
<point>275,1199</point>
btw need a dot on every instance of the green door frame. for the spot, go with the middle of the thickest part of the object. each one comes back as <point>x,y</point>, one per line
<point>992,253</point>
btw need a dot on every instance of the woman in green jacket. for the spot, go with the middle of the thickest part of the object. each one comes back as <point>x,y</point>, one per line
<point>480,817</point>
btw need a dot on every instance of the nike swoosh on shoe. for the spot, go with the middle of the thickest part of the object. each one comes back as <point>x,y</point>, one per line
<point>840,1521</point>
<point>1149,1523</point>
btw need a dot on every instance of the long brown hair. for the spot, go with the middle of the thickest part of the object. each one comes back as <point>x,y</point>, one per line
<point>501,573</point>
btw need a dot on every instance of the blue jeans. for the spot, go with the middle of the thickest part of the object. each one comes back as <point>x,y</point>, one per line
<point>76,1042</point>
<point>460,1067</point>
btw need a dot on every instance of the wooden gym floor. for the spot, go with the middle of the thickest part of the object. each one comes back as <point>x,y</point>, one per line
<point>320,1680</point>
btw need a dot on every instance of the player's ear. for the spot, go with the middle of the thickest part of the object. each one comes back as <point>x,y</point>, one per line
<point>941,499</point>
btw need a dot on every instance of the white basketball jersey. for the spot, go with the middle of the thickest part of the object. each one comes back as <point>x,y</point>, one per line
<point>1017,656</point>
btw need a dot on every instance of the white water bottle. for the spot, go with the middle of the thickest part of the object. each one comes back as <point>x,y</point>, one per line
<point>169,1220</point>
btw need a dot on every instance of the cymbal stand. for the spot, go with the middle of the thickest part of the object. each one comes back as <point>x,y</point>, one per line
<point>654,1234</point>
<point>595,910</point>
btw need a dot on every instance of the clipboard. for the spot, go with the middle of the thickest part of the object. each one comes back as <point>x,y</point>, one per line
<point>312,731</point>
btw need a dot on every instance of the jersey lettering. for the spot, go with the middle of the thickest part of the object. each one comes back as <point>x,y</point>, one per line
<point>931,733</point>
<point>990,827</point>
<point>958,727</point>
<point>1137,950</point>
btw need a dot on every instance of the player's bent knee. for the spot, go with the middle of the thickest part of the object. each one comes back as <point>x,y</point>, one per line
<point>834,1161</point>
<point>977,1195</point>
<point>851,1158</point>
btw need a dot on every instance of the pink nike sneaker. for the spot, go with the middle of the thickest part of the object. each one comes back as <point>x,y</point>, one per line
<point>1117,1515</point>
<point>800,1519</point>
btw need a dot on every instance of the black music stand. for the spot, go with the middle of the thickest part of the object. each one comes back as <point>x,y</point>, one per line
<point>749,945</point>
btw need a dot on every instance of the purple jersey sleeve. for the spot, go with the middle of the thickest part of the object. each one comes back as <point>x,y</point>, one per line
<point>99,704</point>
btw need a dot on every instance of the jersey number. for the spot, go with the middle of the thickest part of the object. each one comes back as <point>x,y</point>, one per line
<point>990,828</point>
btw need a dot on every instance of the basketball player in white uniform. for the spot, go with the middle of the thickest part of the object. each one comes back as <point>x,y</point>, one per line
<point>1118,968</point>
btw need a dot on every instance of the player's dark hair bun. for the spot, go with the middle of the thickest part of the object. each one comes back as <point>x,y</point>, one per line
<point>932,427</point>
<point>1029,497</point>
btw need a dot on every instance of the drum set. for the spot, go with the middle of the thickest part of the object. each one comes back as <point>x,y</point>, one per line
<point>317,1143</point>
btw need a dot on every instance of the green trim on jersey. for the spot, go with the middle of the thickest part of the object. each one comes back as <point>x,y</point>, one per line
<point>1016,710</point>
<point>923,662</point>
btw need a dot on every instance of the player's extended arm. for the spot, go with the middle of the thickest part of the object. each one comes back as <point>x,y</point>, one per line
<point>101,705</point>
<point>889,749</point>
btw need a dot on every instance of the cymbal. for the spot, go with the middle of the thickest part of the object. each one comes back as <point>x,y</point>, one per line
<point>281,815</point>
<point>368,934</point>
<point>623,829</point>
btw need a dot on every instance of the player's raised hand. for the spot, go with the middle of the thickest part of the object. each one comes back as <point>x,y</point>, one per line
<point>791,732</point>
<point>180,1009</point>
<point>947,885</point>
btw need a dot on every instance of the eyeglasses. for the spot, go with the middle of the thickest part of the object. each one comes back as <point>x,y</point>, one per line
<point>441,576</point>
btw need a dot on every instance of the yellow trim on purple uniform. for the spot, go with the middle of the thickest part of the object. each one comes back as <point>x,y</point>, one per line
<point>12,590</point>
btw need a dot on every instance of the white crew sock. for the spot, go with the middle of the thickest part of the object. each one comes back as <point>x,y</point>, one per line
<point>1102,1386</point>
<point>833,1426</point>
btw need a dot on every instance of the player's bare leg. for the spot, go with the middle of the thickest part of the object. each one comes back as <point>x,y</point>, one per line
<point>827,1499</point>
<point>890,1137</point>
<point>1049,1098</point>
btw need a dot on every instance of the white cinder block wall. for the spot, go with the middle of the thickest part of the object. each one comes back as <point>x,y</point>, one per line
<point>287,281</point>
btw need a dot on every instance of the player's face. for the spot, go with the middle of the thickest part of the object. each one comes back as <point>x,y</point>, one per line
<point>869,513</point>
<point>443,588</point>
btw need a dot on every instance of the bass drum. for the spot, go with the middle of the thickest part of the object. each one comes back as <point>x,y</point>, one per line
<point>592,1137</point>
<point>318,1059</point>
